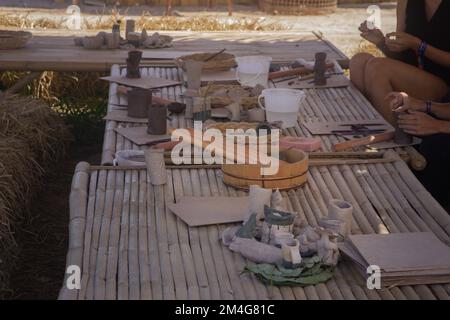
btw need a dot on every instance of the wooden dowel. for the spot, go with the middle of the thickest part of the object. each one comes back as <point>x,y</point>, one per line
<point>363,141</point>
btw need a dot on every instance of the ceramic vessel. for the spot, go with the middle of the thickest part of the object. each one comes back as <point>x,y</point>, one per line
<point>157,119</point>
<point>341,210</point>
<point>139,101</point>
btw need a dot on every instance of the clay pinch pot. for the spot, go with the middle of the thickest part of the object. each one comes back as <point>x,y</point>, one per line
<point>93,43</point>
<point>222,62</point>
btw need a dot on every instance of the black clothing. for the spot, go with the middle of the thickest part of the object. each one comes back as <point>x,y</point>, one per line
<point>434,32</point>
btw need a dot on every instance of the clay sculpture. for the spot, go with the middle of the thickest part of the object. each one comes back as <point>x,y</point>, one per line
<point>258,198</point>
<point>320,68</point>
<point>400,136</point>
<point>133,61</point>
<point>291,254</point>
<point>276,221</point>
<point>157,119</point>
<point>341,210</point>
<point>156,167</point>
<point>256,251</point>
<point>139,101</point>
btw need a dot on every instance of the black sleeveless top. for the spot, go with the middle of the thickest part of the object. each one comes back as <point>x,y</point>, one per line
<point>435,32</point>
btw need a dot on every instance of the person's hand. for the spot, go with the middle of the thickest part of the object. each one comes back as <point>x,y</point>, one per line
<point>418,123</point>
<point>401,102</point>
<point>401,41</point>
<point>373,35</point>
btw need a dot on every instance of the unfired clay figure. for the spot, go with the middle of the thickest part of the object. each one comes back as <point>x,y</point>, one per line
<point>256,251</point>
<point>258,198</point>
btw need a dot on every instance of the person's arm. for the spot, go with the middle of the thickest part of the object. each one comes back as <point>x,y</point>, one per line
<point>401,27</point>
<point>440,110</point>
<point>444,127</point>
<point>401,102</point>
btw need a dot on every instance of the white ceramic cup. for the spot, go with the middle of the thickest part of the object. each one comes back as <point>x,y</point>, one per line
<point>282,105</point>
<point>253,70</point>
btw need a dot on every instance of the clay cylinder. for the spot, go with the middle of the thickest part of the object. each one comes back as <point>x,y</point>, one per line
<point>401,137</point>
<point>116,28</point>
<point>193,74</point>
<point>129,27</point>
<point>133,61</point>
<point>341,210</point>
<point>112,40</point>
<point>256,115</point>
<point>138,102</point>
<point>337,226</point>
<point>291,254</point>
<point>320,69</point>
<point>157,119</point>
<point>156,167</point>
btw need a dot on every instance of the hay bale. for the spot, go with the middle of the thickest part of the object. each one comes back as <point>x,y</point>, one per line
<point>32,137</point>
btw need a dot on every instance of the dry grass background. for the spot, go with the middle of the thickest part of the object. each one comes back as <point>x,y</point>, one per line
<point>32,138</point>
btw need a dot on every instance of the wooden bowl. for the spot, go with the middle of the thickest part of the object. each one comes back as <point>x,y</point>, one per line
<point>221,62</point>
<point>292,173</point>
<point>14,39</point>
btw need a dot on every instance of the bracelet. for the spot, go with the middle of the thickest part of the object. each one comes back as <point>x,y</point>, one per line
<point>428,105</point>
<point>421,54</point>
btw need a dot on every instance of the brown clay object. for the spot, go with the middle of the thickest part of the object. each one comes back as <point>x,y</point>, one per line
<point>157,119</point>
<point>138,102</point>
<point>133,61</point>
<point>130,26</point>
<point>342,146</point>
<point>193,74</point>
<point>401,137</point>
<point>320,68</point>
<point>156,167</point>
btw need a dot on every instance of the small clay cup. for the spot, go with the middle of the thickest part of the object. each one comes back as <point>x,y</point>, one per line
<point>256,115</point>
<point>157,119</point>
<point>401,137</point>
<point>138,102</point>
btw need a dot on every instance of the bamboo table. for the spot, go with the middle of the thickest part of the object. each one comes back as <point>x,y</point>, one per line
<point>55,50</point>
<point>129,245</point>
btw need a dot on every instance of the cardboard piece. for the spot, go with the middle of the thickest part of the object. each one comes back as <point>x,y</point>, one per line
<point>144,82</point>
<point>201,211</point>
<point>139,135</point>
<point>333,81</point>
<point>122,116</point>
<point>392,252</point>
<point>404,258</point>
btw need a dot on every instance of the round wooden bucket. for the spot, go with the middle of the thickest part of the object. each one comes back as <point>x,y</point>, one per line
<point>292,173</point>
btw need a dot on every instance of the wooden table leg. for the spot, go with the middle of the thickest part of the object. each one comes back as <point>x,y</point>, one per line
<point>230,7</point>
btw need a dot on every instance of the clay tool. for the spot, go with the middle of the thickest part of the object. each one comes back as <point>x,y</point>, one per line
<point>214,55</point>
<point>294,72</point>
<point>363,141</point>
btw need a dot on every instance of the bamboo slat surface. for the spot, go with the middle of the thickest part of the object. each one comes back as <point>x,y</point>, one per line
<point>55,50</point>
<point>130,246</point>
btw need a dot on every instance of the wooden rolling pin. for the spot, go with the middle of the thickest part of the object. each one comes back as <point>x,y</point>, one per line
<point>294,72</point>
<point>342,146</point>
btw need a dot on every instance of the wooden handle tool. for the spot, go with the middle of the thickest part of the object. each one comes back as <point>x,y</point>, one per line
<point>342,146</point>
<point>294,72</point>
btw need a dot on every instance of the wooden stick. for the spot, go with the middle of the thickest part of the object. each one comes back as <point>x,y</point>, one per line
<point>293,72</point>
<point>363,141</point>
